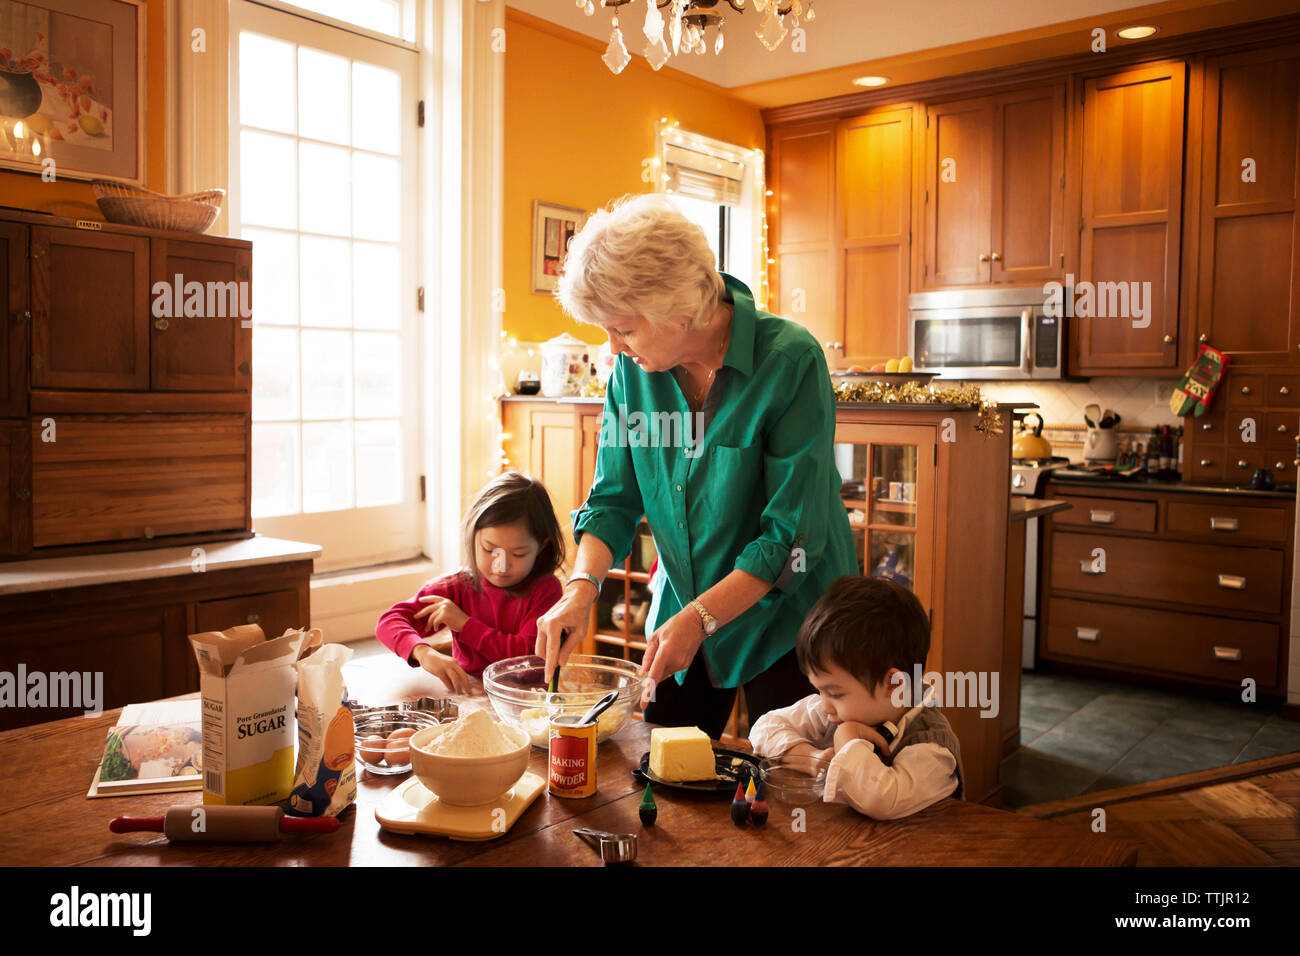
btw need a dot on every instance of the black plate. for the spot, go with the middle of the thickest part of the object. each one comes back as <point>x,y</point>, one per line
<point>729,775</point>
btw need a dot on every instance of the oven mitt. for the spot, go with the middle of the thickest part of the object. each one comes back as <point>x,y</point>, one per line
<point>1195,389</point>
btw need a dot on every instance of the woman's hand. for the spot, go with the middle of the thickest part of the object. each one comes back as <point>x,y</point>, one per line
<point>671,649</point>
<point>852,730</point>
<point>563,627</point>
<point>440,612</point>
<point>442,667</point>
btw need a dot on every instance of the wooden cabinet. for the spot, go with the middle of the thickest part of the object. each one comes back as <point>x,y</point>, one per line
<point>995,185</point>
<point>874,230</point>
<point>17,316</point>
<point>1247,293</point>
<point>15,488</point>
<point>1131,137</point>
<point>1254,423</point>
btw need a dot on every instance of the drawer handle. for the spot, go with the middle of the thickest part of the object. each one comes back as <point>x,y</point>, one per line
<point>1085,567</point>
<point>1242,463</point>
<point>1233,582</point>
<point>1207,462</point>
<point>1090,634</point>
<point>1223,524</point>
<point>1101,517</point>
<point>1207,426</point>
<point>1227,653</point>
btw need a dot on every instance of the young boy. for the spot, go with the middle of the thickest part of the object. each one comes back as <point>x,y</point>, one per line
<point>886,760</point>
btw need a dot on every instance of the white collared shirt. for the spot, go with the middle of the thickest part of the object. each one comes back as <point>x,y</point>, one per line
<point>921,774</point>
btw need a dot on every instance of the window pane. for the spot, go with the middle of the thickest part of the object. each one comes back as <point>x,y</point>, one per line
<point>266,83</point>
<point>379,464</point>
<point>377,297</point>
<point>379,374</point>
<point>382,16</point>
<point>376,198</point>
<point>322,96</point>
<point>275,470</point>
<point>275,373</point>
<point>268,171</point>
<point>275,267</point>
<point>327,374</point>
<point>326,282</point>
<point>326,466</point>
<point>324,173</point>
<point>376,109</point>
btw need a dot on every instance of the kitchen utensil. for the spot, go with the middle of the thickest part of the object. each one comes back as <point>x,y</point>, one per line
<point>613,847</point>
<point>1109,419</point>
<point>731,766</point>
<point>1100,445</point>
<point>1031,444</point>
<point>209,824</point>
<point>1092,414</point>
<point>411,809</point>
<point>598,708</point>
<point>469,781</point>
<point>517,691</point>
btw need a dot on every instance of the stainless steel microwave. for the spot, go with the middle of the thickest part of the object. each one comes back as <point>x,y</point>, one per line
<point>985,334</point>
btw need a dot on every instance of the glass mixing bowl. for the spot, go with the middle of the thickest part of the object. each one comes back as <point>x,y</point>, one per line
<point>517,689</point>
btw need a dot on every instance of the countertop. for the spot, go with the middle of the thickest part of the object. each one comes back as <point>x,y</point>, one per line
<point>44,574</point>
<point>46,816</point>
<point>582,400</point>
<point>1154,484</point>
<point>1024,508</point>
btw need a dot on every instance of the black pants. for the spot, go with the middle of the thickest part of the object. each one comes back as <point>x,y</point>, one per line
<point>697,703</point>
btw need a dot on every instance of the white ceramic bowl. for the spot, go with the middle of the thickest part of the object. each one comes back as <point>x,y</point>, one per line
<point>469,781</point>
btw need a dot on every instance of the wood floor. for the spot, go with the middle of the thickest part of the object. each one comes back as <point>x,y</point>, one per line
<point>1244,815</point>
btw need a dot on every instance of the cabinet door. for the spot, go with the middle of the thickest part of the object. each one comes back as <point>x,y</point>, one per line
<point>1028,199</point>
<point>875,175</point>
<point>16,318</point>
<point>15,489</point>
<point>959,164</point>
<point>90,310</point>
<point>802,233</point>
<point>1132,144</point>
<point>1248,270</point>
<point>209,351</point>
<point>553,444</point>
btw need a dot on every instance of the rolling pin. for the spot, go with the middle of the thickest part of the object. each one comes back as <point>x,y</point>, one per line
<point>227,824</point>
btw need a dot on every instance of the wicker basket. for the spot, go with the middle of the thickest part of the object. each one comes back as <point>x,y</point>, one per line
<point>134,206</point>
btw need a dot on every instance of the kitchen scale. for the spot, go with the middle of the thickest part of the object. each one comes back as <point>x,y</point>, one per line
<point>413,809</point>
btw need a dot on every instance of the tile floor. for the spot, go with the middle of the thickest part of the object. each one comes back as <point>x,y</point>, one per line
<point>1080,734</point>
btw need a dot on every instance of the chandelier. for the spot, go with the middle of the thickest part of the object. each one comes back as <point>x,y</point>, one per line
<point>681,26</point>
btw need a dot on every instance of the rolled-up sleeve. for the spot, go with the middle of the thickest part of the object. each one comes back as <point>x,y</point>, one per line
<point>797,453</point>
<point>614,505</point>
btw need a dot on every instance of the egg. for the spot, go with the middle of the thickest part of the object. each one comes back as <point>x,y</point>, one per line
<point>373,749</point>
<point>402,733</point>
<point>398,753</point>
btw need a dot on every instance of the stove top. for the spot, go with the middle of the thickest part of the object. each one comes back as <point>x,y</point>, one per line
<point>1029,475</point>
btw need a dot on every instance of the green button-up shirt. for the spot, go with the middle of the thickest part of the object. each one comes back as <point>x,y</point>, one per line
<point>759,492</point>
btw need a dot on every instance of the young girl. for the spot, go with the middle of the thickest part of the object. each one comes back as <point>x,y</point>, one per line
<point>513,546</point>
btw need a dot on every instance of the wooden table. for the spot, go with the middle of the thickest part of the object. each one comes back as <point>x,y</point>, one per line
<point>45,817</point>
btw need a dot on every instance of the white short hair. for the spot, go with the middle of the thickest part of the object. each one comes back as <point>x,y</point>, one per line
<point>640,256</point>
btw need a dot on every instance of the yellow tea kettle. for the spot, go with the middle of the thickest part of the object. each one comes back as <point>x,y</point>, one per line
<point>1031,444</point>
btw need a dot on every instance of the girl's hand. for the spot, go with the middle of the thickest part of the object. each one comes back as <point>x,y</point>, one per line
<point>670,649</point>
<point>441,612</point>
<point>442,667</point>
<point>563,627</point>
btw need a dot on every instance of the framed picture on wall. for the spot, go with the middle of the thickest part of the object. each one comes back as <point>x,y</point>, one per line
<point>72,88</point>
<point>553,227</point>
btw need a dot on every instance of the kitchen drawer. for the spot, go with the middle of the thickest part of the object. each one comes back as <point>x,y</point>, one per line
<point>1180,572</point>
<point>274,611</point>
<point>1182,644</point>
<point>1116,513</point>
<point>1245,391</point>
<point>1205,463</point>
<point>118,477</point>
<point>1284,390</point>
<point>1210,426</point>
<point>1228,521</point>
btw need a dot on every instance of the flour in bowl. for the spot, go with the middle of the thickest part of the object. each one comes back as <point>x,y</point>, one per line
<point>474,734</point>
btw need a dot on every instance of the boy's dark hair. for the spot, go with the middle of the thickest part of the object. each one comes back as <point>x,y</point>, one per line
<point>866,626</point>
<point>507,498</point>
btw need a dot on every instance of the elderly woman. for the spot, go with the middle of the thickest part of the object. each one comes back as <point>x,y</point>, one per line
<point>730,460</point>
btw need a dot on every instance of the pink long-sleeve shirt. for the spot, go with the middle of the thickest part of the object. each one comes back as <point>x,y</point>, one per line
<point>499,624</point>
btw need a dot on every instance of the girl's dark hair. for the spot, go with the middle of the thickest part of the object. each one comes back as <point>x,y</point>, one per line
<point>866,626</point>
<point>507,498</point>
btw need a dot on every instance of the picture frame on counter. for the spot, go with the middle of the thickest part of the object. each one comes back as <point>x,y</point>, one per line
<point>553,227</point>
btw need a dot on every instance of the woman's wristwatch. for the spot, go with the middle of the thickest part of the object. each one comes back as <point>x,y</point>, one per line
<point>708,620</point>
<point>583,576</point>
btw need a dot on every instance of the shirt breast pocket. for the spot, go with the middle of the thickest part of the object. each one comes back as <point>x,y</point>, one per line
<point>733,481</point>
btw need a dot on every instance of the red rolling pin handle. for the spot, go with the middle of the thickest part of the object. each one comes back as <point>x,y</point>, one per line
<point>220,823</point>
<point>136,824</point>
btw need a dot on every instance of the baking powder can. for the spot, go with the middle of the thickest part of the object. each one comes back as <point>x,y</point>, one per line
<point>572,764</point>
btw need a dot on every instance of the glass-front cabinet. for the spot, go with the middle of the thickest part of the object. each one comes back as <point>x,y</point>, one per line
<point>887,486</point>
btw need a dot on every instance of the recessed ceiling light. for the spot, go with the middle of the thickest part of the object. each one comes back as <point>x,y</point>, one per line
<point>871,81</point>
<point>1137,33</point>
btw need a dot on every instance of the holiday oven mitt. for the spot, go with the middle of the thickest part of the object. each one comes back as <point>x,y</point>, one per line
<point>1195,389</point>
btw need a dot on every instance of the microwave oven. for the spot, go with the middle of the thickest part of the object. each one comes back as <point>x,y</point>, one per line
<point>995,334</point>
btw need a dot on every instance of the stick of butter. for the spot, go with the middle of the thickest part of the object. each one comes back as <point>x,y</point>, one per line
<point>679,754</point>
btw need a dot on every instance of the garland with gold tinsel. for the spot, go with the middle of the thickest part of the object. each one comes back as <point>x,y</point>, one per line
<point>885,393</point>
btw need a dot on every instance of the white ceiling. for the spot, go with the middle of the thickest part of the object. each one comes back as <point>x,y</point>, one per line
<point>843,32</point>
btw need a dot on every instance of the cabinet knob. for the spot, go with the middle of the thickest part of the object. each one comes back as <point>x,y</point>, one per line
<point>1207,427</point>
<point>1281,429</point>
<point>1280,466</point>
<point>160,324</point>
<point>1242,463</point>
<point>1202,337</point>
<point>983,257</point>
<point>1284,390</point>
<point>1169,340</point>
<point>148,532</point>
<point>1296,463</point>
<point>24,316</point>
<point>1206,462</point>
<point>839,345</point>
<point>1245,389</point>
<point>997,257</point>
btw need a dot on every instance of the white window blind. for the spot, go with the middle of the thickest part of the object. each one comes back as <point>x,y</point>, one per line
<point>703,176</point>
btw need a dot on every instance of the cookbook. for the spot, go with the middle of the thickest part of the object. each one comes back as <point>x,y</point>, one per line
<point>155,747</point>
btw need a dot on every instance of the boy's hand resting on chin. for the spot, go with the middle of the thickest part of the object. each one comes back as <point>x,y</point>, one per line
<point>852,730</point>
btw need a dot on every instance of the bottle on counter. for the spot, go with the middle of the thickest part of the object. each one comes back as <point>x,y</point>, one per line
<point>1166,450</point>
<point>1178,466</point>
<point>1153,454</point>
<point>1139,455</point>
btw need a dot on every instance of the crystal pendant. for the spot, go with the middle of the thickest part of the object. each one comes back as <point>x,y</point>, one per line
<point>773,31</point>
<point>580,4</point>
<point>760,5</point>
<point>717,44</point>
<point>657,54</point>
<point>796,7</point>
<point>675,26</point>
<point>616,56</point>
<point>654,23</point>
<point>589,9</point>
<point>812,14</point>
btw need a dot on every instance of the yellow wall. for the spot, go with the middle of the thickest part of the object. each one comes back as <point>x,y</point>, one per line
<point>576,134</point>
<point>68,197</point>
